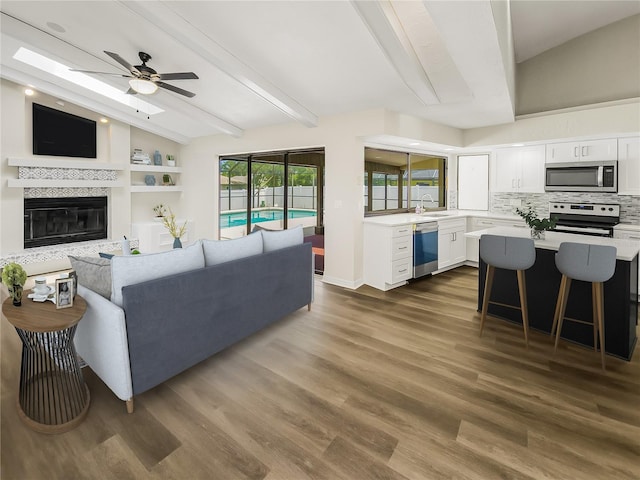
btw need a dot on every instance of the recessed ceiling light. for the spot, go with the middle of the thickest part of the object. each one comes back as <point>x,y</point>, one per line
<point>104,120</point>
<point>517,145</point>
<point>63,71</point>
<point>414,143</point>
<point>448,149</point>
<point>56,27</point>
<point>29,92</point>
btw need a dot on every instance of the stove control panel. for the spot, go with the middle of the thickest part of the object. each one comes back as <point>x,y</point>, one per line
<point>593,209</point>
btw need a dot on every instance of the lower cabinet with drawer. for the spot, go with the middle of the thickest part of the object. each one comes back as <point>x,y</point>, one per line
<point>388,255</point>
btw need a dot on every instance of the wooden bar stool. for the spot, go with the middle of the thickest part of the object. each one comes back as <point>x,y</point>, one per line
<point>509,253</point>
<point>588,263</point>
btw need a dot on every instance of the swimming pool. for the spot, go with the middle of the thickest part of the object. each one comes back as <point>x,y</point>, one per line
<point>236,219</point>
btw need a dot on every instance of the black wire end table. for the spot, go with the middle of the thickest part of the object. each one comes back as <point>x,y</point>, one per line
<point>53,397</point>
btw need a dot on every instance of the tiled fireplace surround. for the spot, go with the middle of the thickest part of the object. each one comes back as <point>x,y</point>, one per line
<point>42,255</point>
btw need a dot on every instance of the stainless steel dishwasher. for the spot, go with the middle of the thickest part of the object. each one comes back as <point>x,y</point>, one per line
<point>425,248</point>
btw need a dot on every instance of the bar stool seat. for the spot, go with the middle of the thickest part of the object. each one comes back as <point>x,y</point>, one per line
<point>587,263</point>
<point>508,253</point>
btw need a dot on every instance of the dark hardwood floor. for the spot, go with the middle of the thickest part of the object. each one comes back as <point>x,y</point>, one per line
<point>368,385</point>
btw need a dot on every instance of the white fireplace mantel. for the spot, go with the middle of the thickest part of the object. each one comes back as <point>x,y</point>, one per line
<point>52,180</point>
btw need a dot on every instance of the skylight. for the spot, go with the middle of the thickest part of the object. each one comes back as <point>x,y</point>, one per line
<point>62,71</point>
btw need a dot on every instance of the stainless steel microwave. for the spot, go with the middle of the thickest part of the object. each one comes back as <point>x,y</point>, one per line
<point>581,177</point>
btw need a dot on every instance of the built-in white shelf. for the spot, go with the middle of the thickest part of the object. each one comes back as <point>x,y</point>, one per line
<point>156,188</point>
<point>155,169</point>
<point>45,182</point>
<point>62,163</point>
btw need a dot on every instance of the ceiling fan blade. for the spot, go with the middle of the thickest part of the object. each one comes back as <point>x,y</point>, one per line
<point>100,73</point>
<point>131,91</point>
<point>179,76</point>
<point>175,89</point>
<point>122,62</point>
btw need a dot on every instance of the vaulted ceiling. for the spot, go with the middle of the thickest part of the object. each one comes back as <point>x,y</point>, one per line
<point>271,62</point>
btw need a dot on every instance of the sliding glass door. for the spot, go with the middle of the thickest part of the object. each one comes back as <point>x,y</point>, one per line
<point>276,190</point>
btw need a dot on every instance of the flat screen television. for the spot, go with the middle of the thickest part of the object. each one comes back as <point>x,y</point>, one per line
<point>62,134</point>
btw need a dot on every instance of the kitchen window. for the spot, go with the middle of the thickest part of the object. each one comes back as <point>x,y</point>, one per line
<point>397,181</point>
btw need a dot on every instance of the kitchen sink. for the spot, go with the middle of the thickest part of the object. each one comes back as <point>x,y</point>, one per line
<point>437,214</point>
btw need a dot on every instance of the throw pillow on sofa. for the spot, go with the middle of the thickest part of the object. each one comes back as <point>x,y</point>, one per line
<point>131,269</point>
<point>277,239</point>
<point>93,273</point>
<point>220,251</point>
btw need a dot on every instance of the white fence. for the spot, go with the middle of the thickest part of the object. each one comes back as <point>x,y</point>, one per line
<point>417,192</point>
<point>299,197</point>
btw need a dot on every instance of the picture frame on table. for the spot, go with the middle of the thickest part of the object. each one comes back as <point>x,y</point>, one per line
<point>64,292</point>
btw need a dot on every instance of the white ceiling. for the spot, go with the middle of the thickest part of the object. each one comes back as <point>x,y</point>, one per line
<point>271,62</point>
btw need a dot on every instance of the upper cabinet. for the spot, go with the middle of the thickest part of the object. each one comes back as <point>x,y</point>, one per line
<point>519,169</point>
<point>629,166</point>
<point>591,150</point>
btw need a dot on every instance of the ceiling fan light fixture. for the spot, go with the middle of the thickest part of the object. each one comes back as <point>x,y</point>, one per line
<point>145,87</point>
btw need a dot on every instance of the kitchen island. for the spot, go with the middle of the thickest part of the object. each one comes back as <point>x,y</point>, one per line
<point>543,283</point>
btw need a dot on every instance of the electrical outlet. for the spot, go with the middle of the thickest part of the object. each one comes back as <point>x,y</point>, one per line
<point>515,202</point>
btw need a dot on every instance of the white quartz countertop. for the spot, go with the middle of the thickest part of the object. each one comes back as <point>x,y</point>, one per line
<point>627,249</point>
<point>410,218</point>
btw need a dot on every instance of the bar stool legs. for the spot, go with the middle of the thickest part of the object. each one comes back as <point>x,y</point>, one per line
<point>522,290</point>
<point>597,302</point>
<point>487,294</point>
<point>588,263</point>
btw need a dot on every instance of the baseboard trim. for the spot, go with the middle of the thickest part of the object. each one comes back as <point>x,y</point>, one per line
<point>352,285</point>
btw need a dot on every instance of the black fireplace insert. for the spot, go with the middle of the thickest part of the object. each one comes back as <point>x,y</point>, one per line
<point>53,221</point>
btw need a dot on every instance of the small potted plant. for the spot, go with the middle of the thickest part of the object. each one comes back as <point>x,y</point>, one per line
<point>14,276</point>
<point>160,211</point>
<point>169,221</point>
<point>537,225</point>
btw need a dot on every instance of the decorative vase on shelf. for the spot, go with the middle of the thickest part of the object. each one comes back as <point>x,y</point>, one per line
<point>177,243</point>
<point>150,180</point>
<point>157,158</point>
<point>537,234</point>
<point>16,294</point>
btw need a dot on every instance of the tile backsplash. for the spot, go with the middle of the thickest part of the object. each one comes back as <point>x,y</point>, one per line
<point>629,204</point>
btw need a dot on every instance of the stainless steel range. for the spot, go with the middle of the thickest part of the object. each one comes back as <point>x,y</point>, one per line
<point>585,218</point>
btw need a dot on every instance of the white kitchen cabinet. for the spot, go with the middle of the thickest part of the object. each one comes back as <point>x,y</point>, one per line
<point>629,166</point>
<point>519,169</point>
<point>388,255</point>
<point>452,246</point>
<point>590,150</point>
<point>630,233</point>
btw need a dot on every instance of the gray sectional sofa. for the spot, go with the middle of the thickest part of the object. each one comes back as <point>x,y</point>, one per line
<point>166,312</point>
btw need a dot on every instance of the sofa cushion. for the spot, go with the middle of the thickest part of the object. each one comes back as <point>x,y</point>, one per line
<point>220,251</point>
<point>131,269</point>
<point>275,240</point>
<point>93,273</point>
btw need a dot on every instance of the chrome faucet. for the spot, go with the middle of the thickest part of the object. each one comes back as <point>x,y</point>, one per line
<point>422,201</point>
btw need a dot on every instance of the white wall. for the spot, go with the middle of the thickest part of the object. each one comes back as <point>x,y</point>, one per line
<point>600,66</point>
<point>598,121</point>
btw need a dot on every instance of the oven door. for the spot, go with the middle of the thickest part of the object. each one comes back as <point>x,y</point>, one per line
<point>581,177</point>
